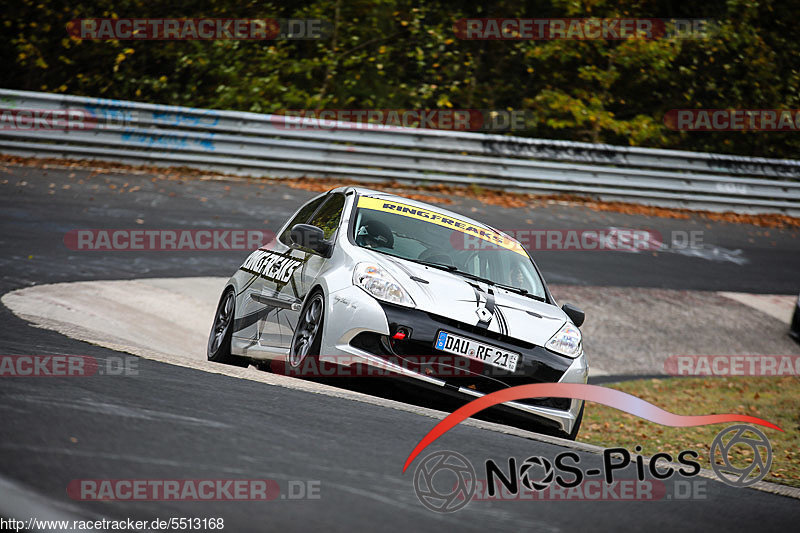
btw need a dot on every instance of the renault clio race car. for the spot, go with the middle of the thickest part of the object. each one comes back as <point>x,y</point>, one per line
<point>358,276</point>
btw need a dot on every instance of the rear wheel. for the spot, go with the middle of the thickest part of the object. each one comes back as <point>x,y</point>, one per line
<point>219,340</point>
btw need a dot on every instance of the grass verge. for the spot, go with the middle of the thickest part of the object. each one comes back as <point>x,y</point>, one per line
<point>775,399</point>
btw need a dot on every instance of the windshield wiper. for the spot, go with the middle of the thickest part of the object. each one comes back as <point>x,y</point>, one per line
<point>520,290</point>
<point>473,276</point>
<point>442,266</point>
<point>455,270</point>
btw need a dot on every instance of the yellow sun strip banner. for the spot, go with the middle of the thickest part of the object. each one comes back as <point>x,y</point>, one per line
<point>433,217</point>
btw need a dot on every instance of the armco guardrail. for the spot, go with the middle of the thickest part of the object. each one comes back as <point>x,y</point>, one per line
<point>263,145</point>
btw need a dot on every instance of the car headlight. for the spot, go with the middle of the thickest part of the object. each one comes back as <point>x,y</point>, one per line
<point>380,284</point>
<point>567,341</point>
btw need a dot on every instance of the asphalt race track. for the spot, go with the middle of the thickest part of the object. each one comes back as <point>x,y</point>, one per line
<point>172,422</point>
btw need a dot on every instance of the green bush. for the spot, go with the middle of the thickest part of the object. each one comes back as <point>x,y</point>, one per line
<point>396,54</point>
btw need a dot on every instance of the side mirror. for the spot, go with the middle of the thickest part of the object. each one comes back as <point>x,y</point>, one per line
<point>310,237</point>
<point>574,313</point>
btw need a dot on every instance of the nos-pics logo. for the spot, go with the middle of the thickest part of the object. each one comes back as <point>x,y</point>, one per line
<point>445,481</point>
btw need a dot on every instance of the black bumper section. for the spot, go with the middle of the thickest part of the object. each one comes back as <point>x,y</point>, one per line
<point>416,351</point>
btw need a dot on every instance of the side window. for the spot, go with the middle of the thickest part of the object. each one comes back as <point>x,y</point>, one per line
<point>328,216</point>
<point>300,218</point>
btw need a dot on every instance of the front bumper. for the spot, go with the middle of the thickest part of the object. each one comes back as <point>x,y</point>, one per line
<point>416,358</point>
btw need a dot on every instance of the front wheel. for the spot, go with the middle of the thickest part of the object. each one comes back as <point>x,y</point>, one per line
<point>307,337</point>
<point>219,340</point>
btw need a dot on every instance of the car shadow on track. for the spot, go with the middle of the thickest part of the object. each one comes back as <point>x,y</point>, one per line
<point>412,392</point>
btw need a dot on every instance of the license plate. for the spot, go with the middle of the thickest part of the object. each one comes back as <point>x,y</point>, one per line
<point>485,353</point>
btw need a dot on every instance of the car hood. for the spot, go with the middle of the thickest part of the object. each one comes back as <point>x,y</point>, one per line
<point>458,298</point>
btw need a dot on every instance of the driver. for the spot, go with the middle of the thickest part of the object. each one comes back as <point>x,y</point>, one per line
<point>374,234</point>
<point>516,277</point>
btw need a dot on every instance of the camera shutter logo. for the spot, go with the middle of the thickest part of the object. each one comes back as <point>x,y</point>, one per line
<point>741,476</point>
<point>454,488</point>
<point>525,473</point>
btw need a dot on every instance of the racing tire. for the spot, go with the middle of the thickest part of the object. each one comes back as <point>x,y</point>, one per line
<point>219,340</point>
<point>307,338</point>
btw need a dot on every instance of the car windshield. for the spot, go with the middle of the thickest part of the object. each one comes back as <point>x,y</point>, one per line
<point>429,237</point>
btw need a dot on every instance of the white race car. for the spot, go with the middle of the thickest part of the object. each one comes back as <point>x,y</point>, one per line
<point>362,277</point>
